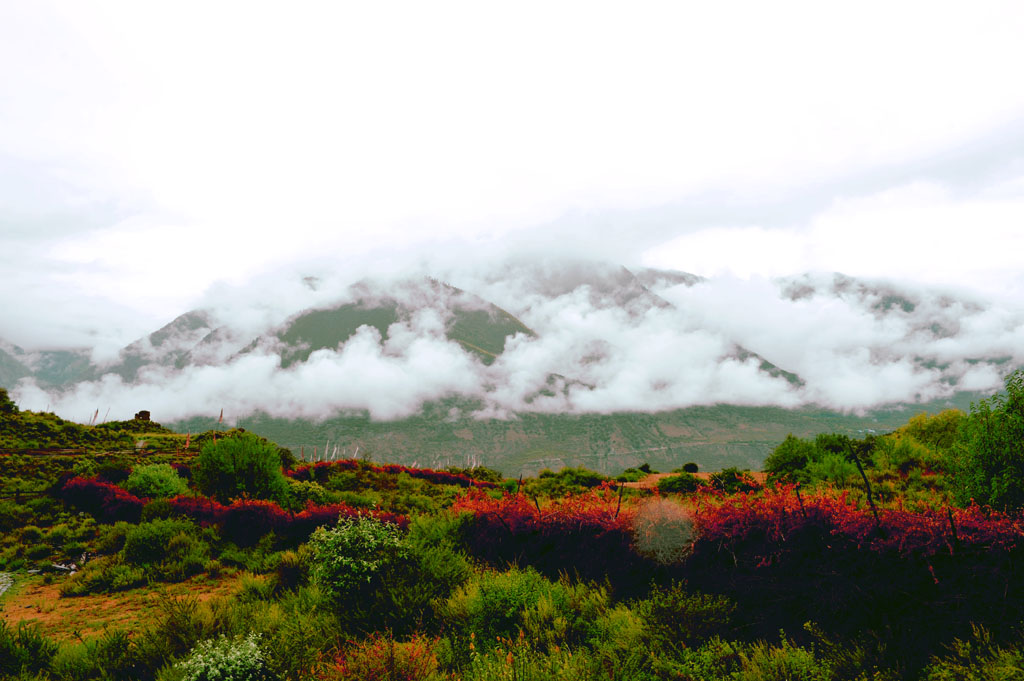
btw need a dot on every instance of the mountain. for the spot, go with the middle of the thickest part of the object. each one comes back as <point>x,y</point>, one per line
<point>477,325</point>
<point>552,360</point>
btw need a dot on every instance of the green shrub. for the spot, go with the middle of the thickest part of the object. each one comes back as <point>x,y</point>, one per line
<point>675,615</point>
<point>24,649</point>
<point>784,662</point>
<point>977,658</point>
<point>683,483</point>
<point>244,464</point>
<point>227,659</point>
<point>158,509</point>
<point>149,542</point>
<point>111,537</point>
<point>690,467</point>
<point>790,459</point>
<point>350,557</point>
<point>103,576</point>
<point>156,481</point>
<point>493,603</point>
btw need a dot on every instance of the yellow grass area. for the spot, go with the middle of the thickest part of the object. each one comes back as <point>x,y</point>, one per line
<point>33,600</point>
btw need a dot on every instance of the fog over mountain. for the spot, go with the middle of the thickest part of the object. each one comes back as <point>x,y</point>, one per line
<point>547,335</point>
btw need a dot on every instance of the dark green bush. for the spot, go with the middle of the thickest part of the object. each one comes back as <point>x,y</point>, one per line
<point>682,483</point>
<point>24,649</point>
<point>675,615</point>
<point>149,542</point>
<point>242,465</point>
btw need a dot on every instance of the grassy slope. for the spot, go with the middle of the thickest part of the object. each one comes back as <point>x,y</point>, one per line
<point>714,437</point>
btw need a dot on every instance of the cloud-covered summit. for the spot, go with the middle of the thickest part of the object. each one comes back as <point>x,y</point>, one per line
<point>544,336</point>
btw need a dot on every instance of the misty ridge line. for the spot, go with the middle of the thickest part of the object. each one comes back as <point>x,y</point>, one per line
<point>540,336</point>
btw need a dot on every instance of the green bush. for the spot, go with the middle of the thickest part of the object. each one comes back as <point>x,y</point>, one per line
<point>242,465</point>
<point>683,483</point>
<point>24,649</point>
<point>989,450</point>
<point>150,542</point>
<point>156,481</point>
<point>227,659</point>
<point>790,459</point>
<point>493,603</point>
<point>675,615</point>
<point>350,556</point>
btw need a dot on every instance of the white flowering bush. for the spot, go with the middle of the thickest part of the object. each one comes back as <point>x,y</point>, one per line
<point>227,659</point>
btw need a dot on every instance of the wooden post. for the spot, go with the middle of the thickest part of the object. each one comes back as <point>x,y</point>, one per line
<point>867,486</point>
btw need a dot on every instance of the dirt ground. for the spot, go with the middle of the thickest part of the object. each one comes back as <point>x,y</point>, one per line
<point>68,618</point>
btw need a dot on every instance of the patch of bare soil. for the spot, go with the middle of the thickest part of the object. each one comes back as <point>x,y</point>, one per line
<point>85,616</point>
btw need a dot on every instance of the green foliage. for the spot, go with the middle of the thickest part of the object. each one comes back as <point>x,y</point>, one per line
<point>24,649</point>
<point>493,604</point>
<point>150,542</point>
<point>242,465</point>
<point>990,449</point>
<point>382,657</point>
<point>682,483</point>
<point>939,431</point>
<point>785,662</point>
<point>834,468</point>
<point>7,406</point>
<point>690,467</point>
<point>227,659</point>
<point>351,555</point>
<point>156,481</point>
<point>977,658</point>
<point>375,576</point>
<point>790,459</point>
<point>103,576</point>
<point>674,614</point>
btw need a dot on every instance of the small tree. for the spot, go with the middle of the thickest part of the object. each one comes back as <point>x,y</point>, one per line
<point>7,407</point>
<point>989,450</point>
<point>242,465</point>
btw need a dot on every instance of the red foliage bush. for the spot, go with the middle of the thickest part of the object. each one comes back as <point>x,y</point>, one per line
<point>587,534</point>
<point>106,501</point>
<point>244,521</point>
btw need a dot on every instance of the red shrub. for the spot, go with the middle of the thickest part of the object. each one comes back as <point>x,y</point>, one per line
<point>106,501</point>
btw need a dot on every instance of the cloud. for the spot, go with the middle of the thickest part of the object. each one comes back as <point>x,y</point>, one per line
<point>855,344</point>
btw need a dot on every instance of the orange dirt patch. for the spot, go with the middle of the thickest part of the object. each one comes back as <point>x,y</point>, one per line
<point>85,616</point>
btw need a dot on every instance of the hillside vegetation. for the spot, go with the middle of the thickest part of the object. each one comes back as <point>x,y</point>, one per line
<point>882,556</point>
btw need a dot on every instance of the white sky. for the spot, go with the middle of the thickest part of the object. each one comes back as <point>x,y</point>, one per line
<point>149,150</point>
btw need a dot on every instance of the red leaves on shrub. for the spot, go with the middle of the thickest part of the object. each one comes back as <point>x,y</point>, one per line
<point>581,533</point>
<point>771,517</point>
<point>106,501</point>
<point>244,521</point>
<point>321,470</point>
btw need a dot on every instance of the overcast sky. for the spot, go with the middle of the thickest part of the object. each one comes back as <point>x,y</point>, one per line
<point>151,150</point>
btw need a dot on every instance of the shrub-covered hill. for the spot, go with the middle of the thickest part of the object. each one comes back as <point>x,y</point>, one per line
<point>874,566</point>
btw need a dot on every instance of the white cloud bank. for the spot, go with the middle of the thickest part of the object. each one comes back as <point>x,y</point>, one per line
<point>855,344</point>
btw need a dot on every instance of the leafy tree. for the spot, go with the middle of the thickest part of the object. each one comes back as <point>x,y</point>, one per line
<point>242,465</point>
<point>939,431</point>
<point>989,449</point>
<point>790,459</point>
<point>7,406</point>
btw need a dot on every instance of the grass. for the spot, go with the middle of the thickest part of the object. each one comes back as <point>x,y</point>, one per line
<point>33,599</point>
